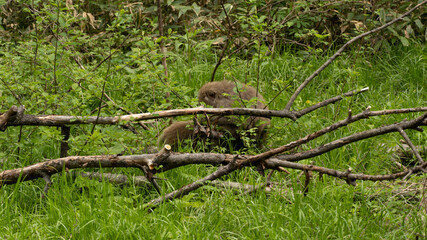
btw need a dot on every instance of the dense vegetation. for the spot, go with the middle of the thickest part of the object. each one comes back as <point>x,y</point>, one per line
<point>65,58</point>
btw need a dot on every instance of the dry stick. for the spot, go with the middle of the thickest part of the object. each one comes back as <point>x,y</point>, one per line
<point>122,179</point>
<point>326,102</point>
<point>220,59</point>
<point>229,35</point>
<point>163,154</point>
<point>55,56</point>
<point>225,46</point>
<point>65,132</point>
<point>309,137</point>
<point>128,112</point>
<point>163,52</point>
<point>59,120</point>
<point>54,166</point>
<point>409,142</point>
<point>338,53</point>
<point>423,200</point>
<point>150,176</point>
<point>307,180</point>
<point>161,34</point>
<point>99,110</point>
<point>5,117</point>
<point>398,111</point>
<point>118,179</point>
<point>347,175</point>
<point>46,178</point>
<point>234,185</point>
<point>255,188</point>
<point>16,96</point>
<point>350,178</point>
<point>222,171</point>
<point>335,144</point>
<point>352,138</point>
<point>173,161</point>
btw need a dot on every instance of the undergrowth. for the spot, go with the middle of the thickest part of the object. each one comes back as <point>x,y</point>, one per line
<point>87,209</point>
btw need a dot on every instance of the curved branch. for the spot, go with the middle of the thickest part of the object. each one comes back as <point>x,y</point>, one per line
<point>221,171</point>
<point>60,120</point>
<point>354,138</point>
<point>350,119</point>
<point>53,166</point>
<point>50,167</point>
<point>347,175</point>
<point>338,53</point>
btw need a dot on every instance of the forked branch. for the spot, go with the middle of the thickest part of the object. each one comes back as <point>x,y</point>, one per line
<point>338,53</point>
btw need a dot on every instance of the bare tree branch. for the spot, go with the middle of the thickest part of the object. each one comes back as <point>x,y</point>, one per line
<point>223,170</point>
<point>118,179</point>
<point>347,175</point>
<point>353,138</point>
<point>60,120</point>
<point>338,53</point>
<point>51,167</point>
<point>409,142</point>
<point>301,113</point>
<point>327,147</point>
<point>168,162</point>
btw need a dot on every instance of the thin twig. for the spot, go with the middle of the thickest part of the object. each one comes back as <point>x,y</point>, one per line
<point>409,142</point>
<point>338,53</point>
<point>223,170</point>
<point>349,139</point>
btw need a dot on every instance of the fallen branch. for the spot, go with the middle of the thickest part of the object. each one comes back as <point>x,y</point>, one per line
<point>338,53</point>
<point>335,144</point>
<point>169,161</point>
<point>347,175</point>
<point>222,171</point>
<point>61,120</point>
<point>54,166</point>
<point>50,167</point>
<point>413,124</point>
<point>121,179</point>
<point>118,179</point>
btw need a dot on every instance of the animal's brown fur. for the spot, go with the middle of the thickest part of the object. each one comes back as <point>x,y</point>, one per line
<point>222,94</point>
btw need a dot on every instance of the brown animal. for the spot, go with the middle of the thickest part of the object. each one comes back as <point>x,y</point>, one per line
<point>226,94</point>
<point>221,94</point>
<point>176,133</point>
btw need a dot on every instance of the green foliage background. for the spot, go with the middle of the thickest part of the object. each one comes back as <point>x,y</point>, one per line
<point>56,57</point>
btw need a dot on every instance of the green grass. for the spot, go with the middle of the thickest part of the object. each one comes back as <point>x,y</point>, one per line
<point>331,210</point>
<point>87,209</point>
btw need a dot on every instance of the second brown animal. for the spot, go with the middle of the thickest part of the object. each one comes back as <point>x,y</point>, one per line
<point>223,94</point>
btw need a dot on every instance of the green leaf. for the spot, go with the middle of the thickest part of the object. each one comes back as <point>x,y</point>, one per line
<point>404,41</point>
<point>196,8</point>
<point>419,24</point>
